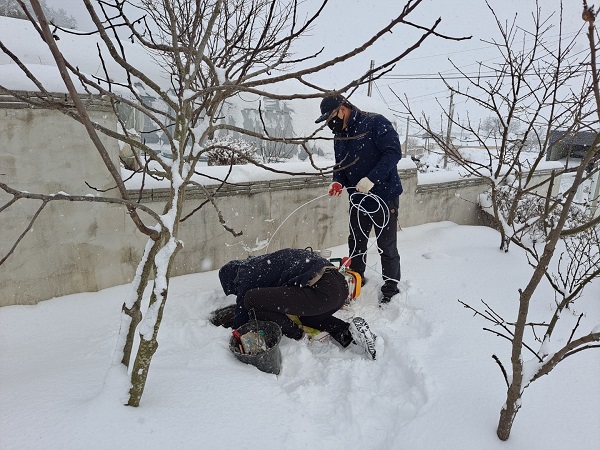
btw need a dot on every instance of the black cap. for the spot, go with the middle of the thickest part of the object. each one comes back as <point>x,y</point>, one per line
<point>328,104</point>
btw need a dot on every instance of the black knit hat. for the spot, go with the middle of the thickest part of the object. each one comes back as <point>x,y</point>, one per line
<point>329,104</point>
<point>228,276</point>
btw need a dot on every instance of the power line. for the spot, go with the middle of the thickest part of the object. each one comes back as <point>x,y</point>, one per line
<point>492,46</point>
<point>452,75</point>
<point>425,77</point>
<point>487,74</point>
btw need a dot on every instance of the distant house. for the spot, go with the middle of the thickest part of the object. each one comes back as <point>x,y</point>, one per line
<point>573,145</point>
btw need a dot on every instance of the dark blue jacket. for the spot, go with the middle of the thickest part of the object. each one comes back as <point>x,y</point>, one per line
<point>370,148</point>
<point>286,267</point>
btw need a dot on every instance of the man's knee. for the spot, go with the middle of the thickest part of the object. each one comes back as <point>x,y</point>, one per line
<point>250,299</point>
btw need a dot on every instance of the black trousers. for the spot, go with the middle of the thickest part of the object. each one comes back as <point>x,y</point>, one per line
<point>361,224</point>
<point>314,305</point>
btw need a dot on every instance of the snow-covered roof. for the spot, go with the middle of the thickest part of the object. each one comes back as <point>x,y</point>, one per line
<point>20,38</point>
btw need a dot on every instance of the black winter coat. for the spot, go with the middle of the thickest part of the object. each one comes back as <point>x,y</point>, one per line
<point>286,267</point>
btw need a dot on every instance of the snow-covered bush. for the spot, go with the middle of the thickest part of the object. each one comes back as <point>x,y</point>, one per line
<point>228,151</point>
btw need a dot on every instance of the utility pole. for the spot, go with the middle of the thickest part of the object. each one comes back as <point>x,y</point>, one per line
<point>449,128</point>
<point>595,191</point>
<point>370,85</point>
<point>406,139</point>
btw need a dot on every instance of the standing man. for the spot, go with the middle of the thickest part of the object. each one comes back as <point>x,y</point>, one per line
<point>367,151</point>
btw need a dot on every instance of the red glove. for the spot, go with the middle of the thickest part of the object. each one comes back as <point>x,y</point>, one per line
<point>335,189</point>
<point>346,261</point>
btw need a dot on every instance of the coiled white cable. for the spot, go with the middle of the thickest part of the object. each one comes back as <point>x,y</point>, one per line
<point>358,208</point>
<point>355,208</point>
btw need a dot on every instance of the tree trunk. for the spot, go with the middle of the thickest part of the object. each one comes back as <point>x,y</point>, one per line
<point>513,394</point>
<point>515,389</point>
<point>140,371</point>
<point>148,336</point>
<point>146,351</point>
<point>134,311</point>
<point>136,316</point>
<point>509,412</point>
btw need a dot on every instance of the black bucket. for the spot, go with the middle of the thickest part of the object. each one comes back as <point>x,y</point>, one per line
<point>268,361</point>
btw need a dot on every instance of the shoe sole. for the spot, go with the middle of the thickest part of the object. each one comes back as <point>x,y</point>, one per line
<point>365,336</point>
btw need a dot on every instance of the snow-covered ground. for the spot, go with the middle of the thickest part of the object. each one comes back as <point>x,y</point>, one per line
<point>433,386</point>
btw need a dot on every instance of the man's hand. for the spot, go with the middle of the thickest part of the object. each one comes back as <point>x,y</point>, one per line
<point>364,185</point>
<point>335,189</point>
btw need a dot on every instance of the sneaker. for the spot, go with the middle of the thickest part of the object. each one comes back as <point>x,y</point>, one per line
<point>363,336</point>
<point>363,281</point>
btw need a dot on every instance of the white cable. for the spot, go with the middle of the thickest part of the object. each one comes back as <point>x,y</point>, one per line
<point>359,208</point>
<point>301,206</point>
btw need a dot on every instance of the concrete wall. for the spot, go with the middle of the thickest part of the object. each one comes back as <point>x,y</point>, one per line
<point>454,201</point>
<point>71,247</point>
<point>87,247</point>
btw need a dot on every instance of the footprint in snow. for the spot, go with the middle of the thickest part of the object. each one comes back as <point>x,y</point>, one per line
<point>438,256</point>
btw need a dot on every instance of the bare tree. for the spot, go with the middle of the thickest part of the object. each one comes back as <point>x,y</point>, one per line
<point>536,89</point>
<point>493,128</point>
<point>211,50</point>
<point>529,94</point>
<point>273,152</point>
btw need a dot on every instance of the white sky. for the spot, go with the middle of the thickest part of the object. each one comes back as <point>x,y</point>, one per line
<point>344,24</point>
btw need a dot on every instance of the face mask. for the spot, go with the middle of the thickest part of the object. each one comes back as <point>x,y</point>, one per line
<point>336,125</point>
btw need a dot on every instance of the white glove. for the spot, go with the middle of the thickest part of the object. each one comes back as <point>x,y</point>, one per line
<point>364,185</point>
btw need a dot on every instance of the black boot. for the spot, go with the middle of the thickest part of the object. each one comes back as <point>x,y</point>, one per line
<point>344,337</point>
